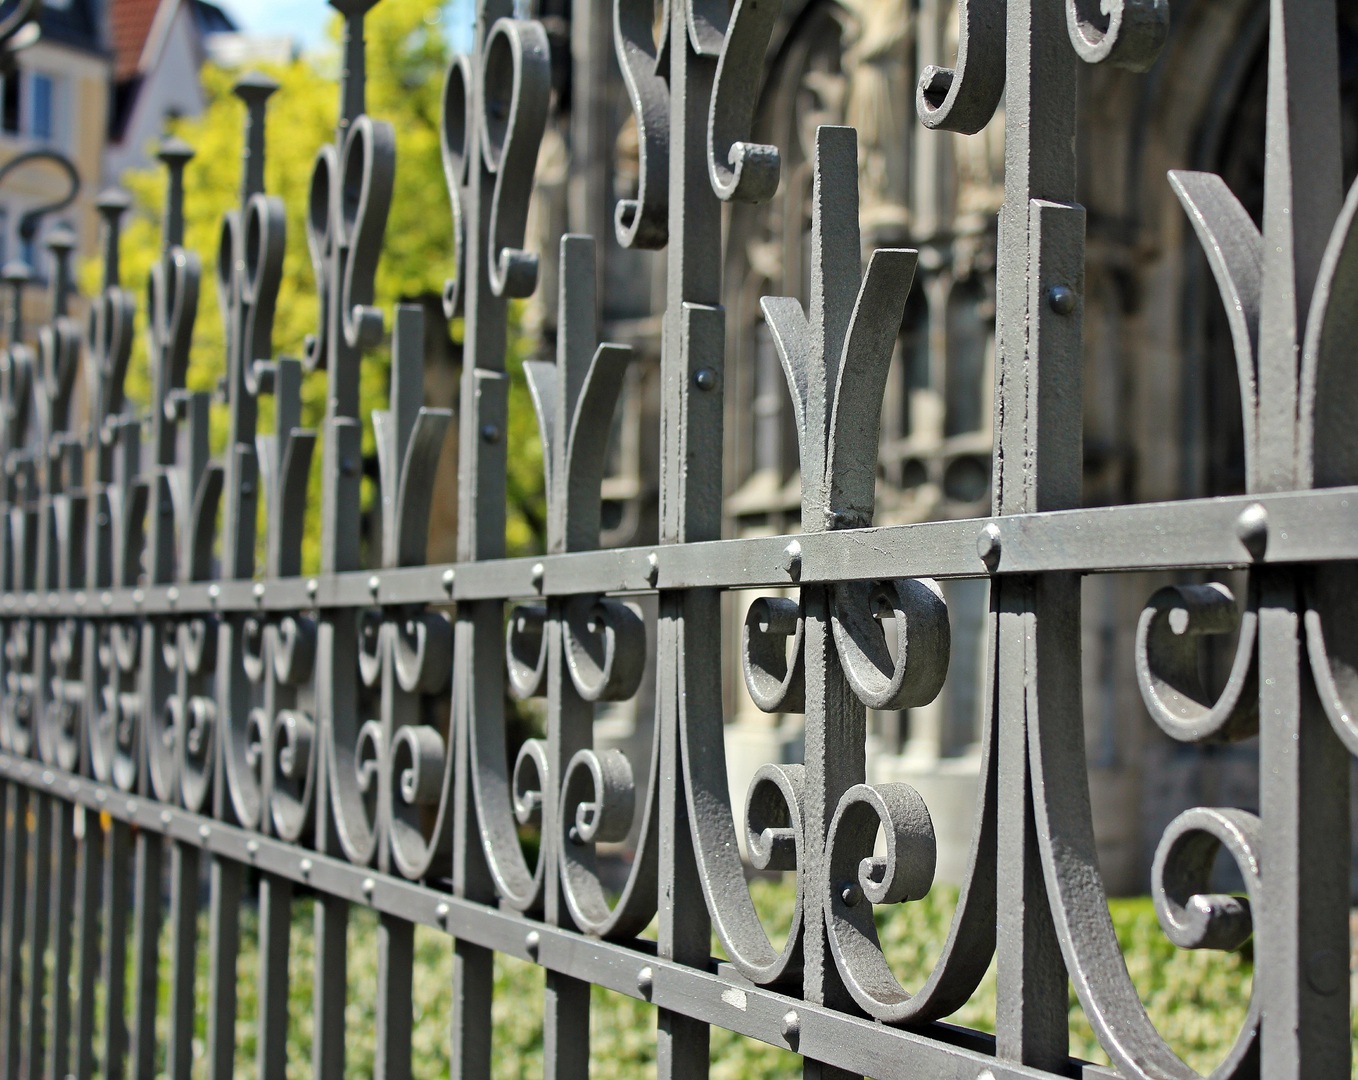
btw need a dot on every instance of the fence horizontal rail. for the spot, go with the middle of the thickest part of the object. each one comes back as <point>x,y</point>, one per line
<point>1192,534</point>
<point>940,1050</point>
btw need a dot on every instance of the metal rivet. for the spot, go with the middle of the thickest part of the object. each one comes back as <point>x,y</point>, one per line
<point>138,597</point>
<point>533,942</point>
<point>258,590</point>
<point>1251,528</point>
<point>204,832</point>
<point>1327,971</point>
<point>80,599</point>
<point>51,599</point>
<point>48,778</point>
<point>443,911</point>
<point>988,546</point>
<point>374,583</point>
<point>1061,299</point>
<point>214,592</point>
<point>252,847</point>
<point>166,817</point>
<point>792,1025</point>
<point>449,576</point>
<point>172,595</point>
<point>646,981</point>
<point>312,587</point>
<point>490,433</point>
<point>792,559</point>
<point>539,572</point>
<point>850,893</point>
<point>653,568</point>
<point>369,887</point>
<point>132,807</point>
<point>305,867</point>
<point>705,379</point>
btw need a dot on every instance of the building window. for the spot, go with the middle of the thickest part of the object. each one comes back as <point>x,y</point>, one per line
<point>42,98</point>
<point>10,100</point>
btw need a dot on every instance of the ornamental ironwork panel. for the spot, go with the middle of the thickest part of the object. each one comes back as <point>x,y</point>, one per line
<point>174,705</point>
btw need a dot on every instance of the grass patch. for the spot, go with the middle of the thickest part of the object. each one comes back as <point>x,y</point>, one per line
<point>1197,1000</point>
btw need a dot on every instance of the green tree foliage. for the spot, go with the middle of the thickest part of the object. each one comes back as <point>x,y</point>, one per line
<point>407,56</point>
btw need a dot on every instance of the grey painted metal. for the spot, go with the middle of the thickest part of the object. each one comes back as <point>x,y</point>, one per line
<point>256,720</point>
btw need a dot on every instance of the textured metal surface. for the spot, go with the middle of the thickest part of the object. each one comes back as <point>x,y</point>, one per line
<point>168,701</point>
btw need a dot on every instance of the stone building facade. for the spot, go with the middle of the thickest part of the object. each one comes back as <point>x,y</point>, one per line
<point>1162,412</point>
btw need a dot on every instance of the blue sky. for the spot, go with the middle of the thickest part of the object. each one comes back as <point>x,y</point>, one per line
<point>305,20</point>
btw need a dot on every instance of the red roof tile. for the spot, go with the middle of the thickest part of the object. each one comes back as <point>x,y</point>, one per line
<point>129,24</point>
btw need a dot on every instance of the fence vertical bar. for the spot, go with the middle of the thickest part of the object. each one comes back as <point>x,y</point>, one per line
<point>184,867</point>
<point>39,927</point>
<point>64,888</point>
<point>114,973</point>
<point>89,875</point>
<point>13,910</point>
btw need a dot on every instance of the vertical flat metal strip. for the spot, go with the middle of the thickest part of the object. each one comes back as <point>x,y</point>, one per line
<point>64,886</point>
<point>39,925</point>
<point>88,879</point>
<point>13,908</point>
<point>275,927</point>
<point>227,887</point>
<point>148,863</point>
<point>395,964</point>
<point>184,867</point>
<point>1302,933</point>
<point>117,860</point>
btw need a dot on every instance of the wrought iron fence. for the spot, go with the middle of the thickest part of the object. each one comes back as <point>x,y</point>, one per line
<point>283,727</point>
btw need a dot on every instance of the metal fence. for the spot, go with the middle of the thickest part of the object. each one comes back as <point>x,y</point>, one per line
<point>284,728</point>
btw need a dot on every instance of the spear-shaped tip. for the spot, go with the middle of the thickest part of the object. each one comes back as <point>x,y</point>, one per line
<point>174,152</point>
<point>16,273</point>
<point>353,9</point>
<point>112,203</point>
<point>254,87</point>
<point>60,241</point>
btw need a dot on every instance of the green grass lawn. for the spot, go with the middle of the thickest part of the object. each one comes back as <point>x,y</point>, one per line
<point>1196,999</point>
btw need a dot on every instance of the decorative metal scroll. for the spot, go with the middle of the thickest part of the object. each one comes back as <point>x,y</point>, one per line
<point>346,731</point>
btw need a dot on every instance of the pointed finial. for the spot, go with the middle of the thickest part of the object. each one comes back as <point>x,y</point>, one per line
<point>174,155</point>
<point>61,243</point>
<point>255,89</point>
<point>353,77</point>
<point>16,274</point>
<point>111,204</point>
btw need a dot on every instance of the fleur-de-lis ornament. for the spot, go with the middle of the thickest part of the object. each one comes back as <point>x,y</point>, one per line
<point>494,112</point>
<point>575,651</point>
<point>61,528</point>
<point>263,660</point>
<point>118,500</point>
<point>178,656</point>
<point>351,185</point>
<point>22,436</point>
<point>405,654</point>
<point>821,818</point>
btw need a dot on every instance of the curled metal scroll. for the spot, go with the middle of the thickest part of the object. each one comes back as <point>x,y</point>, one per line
<point>643,221</point>
<point>515,88</point>
<point>741,171</point>
<point>1168,669</point>
<point>883,677</point>
<point>771,654</point>
<point>1124,33</point>
<point>963,98</point>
